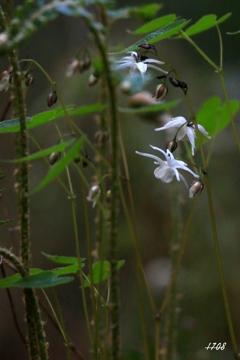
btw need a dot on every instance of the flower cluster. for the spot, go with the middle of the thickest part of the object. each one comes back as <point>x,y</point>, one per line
<point>183,129</point>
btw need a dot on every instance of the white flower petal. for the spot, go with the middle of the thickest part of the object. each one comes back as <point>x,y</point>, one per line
<point>141,67</point>
<point>203,131</point>
<point>159,161</point>
<point>164,173</point>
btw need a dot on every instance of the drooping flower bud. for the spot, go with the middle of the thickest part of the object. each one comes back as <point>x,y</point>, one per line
<point>101,138</point>
<point>3,38</point>
<point>28,79</point>
<point>52,98</point>
<point>93,195</point>
<point>85,159</point>
<point>171,145</point>
<point>92,80</point>
<point>73,66</point>
<point>4,81</point>
<point>54,157</point>
<point>195,188</point>
<point>147,46</point>
<point>85,65</point>
<point>179,83</point>
<point>161,92</point>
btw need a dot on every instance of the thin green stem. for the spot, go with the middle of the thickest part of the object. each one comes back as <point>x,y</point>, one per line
<point>58,324</point>
<point>215,235</point>
<point>114,191</point>
<point>55,87</point>
<point>76,237</point>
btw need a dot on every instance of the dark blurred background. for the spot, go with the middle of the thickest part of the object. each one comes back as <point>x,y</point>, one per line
<point>201,313</point>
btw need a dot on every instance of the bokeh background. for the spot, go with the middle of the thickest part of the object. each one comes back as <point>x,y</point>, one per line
<point>201,313</point>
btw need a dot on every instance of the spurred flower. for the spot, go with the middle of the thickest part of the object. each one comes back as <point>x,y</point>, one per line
<point>168,168</point>
<point>136,62</point>
<point>187,130</point>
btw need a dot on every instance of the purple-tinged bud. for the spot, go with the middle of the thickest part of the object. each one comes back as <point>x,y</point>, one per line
<point>52,98</point>
<point>92,80</point>
<point>195,188</point>
<point>161,92</point>
<point>147,46</point>
<point>85,65</point>
<point>179,83</point>
<point>54,157</point>
<point>171,145</point>
<point>73,66</point>
<point>28,80</point>
<point>4,81</point>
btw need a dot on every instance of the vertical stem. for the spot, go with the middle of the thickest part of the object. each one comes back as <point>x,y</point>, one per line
<point>114,195</point>
<point>172,305</point>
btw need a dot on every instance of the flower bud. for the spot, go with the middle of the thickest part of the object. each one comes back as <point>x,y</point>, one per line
<point>3,38</point>
<point>54,157</point>
<point>85,159</point>
<point>73,66</point>
<point>161,92</point>
<point>4,81</point>
<point>28,80</point>
<point>52,98</point>
<point>195,188</point>
<point>171,145</point>
<point>178,83</point>
<point>92,80</point>
<point>101,138</point>
<point>93,195</point>
<point>147,46</point>
<point>85,65</point>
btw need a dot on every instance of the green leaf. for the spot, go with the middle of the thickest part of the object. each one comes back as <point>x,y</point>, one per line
<point>155,24</point>
<point>145,12</point>
<point>151,108</point>
<point>205,23</point>
<point>60,165</point>
<point>214,116</point>
<point>12,125</point>
<point>70,269</point>
<point>63,259</point>
<point>223,18</point>
<point>101,271</point>
<point>224,118</point>
<point>47,116</point>
<point>83,110</point>
<point>4,222</point>
<point>57,148</point>
<point>163,33</point>
<point>42,279</point>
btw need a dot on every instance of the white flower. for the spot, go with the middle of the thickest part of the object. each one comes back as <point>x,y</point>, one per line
<point>94,194</point>
<point>187,130</point>
<point>168,169</point>
<point>134,62</point>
